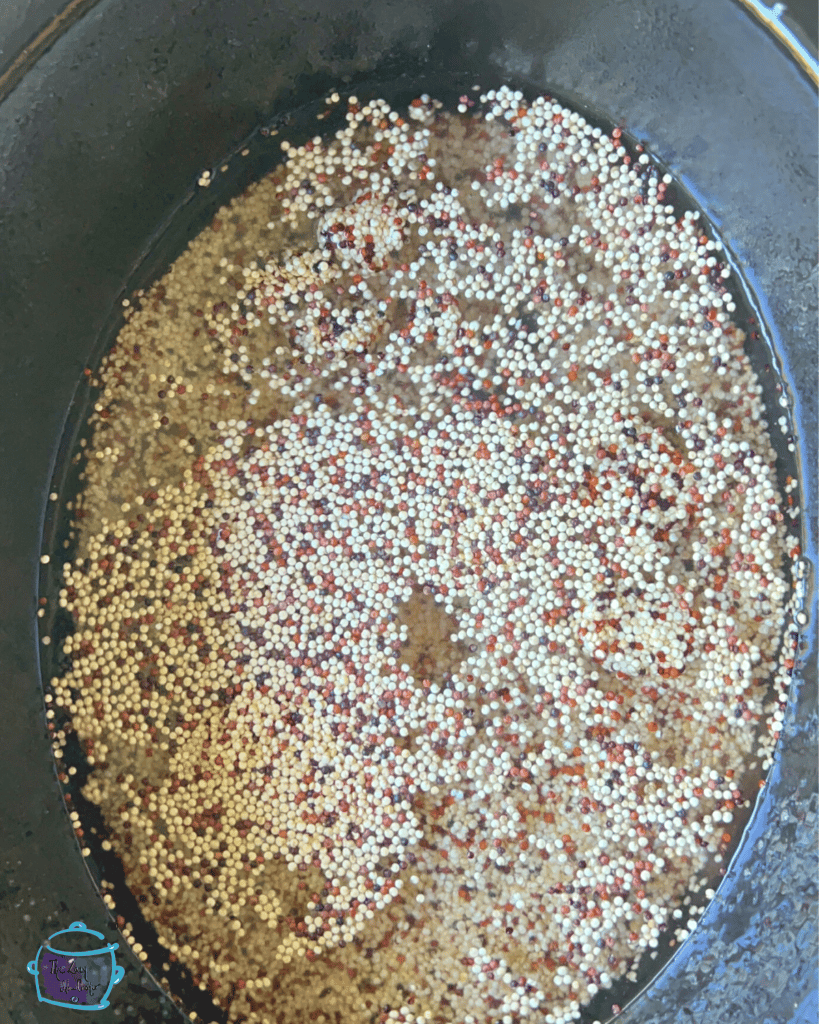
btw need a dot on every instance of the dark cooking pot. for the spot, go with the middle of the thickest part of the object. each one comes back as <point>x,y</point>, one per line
<point>107,118</point>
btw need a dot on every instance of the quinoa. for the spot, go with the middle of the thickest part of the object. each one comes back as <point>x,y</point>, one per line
<point>430,581</point>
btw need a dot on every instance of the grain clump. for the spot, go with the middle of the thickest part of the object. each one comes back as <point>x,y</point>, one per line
<point>431,574</point>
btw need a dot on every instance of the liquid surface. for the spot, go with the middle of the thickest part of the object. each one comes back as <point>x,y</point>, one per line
<point>430,575</point>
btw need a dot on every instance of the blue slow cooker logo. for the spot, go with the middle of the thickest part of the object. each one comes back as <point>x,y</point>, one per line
<point>77,979</point>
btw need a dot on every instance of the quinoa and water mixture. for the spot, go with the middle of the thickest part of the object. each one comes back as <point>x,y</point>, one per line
<point>430,577</point>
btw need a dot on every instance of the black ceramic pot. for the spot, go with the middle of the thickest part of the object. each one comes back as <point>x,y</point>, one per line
<point>106,119</point>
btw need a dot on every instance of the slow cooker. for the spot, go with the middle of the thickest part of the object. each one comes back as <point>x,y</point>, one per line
<point>109,112</point>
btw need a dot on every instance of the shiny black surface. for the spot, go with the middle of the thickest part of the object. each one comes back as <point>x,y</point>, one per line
<point>105,135</point>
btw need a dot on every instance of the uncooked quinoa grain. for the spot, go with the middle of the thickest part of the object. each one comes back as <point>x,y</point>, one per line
<point>430,581</point>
